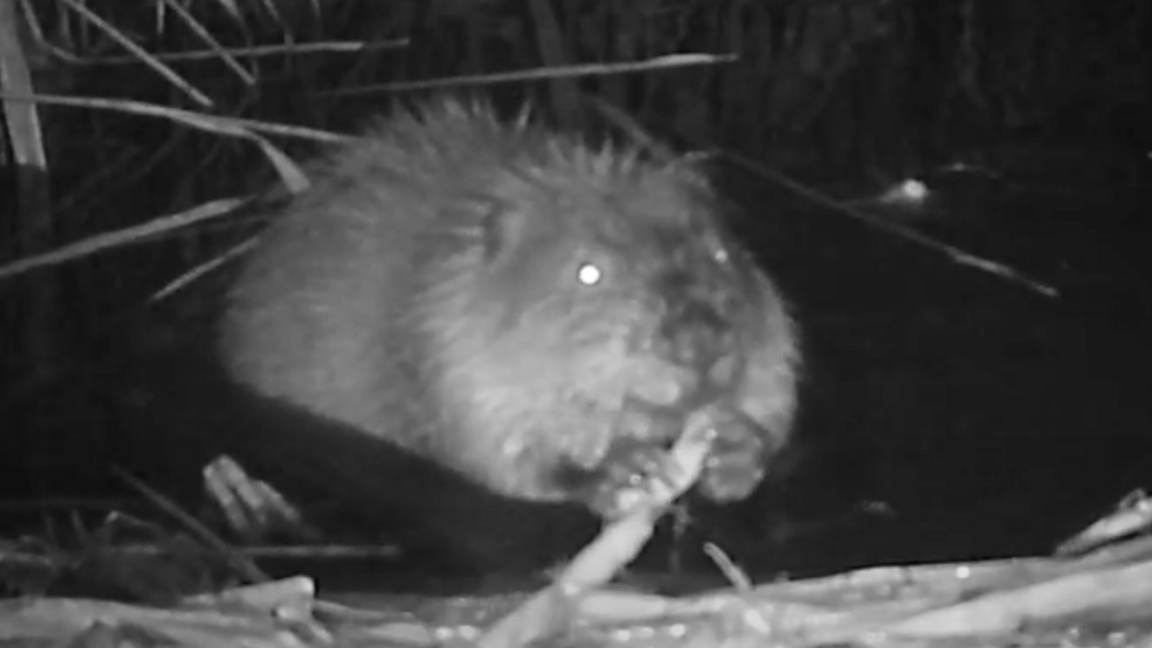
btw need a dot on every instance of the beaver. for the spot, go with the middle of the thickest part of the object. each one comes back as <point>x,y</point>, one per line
<point>532,311</point>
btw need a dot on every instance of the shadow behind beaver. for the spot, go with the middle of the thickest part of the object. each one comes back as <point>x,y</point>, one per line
<point>183,407</point>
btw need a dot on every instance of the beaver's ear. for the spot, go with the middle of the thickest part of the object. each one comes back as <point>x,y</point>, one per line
<point>502,227</point>
<point>488,225</point>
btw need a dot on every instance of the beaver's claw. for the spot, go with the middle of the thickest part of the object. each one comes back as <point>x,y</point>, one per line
<point>736,464</point>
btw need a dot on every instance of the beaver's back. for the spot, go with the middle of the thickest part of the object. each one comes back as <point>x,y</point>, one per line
<point>330,311</point>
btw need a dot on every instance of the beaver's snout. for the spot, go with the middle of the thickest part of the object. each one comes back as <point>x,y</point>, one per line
<point>699,327</point>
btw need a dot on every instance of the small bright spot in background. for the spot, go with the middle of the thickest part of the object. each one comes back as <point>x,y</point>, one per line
<point>909,193</point>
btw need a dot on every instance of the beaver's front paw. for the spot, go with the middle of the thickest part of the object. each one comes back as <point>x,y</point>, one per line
<point>736,464</point>
<point>627,473</point>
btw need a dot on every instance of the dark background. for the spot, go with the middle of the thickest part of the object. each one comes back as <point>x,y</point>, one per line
<point>990,418</point>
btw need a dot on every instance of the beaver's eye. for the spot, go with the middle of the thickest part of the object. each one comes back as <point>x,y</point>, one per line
<point>589,274</point>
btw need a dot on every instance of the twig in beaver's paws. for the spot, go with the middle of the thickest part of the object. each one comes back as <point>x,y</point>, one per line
<point>548,612</point>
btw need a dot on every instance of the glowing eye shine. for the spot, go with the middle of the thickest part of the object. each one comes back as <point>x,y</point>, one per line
<point>589,274</point>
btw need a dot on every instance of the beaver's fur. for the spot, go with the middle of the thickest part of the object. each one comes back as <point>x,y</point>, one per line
<point>515,305</point>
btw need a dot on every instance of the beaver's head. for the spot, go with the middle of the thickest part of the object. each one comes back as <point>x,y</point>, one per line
<point>594,295</point>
